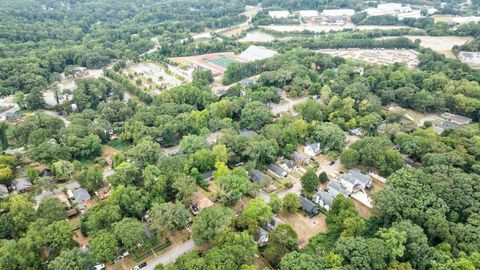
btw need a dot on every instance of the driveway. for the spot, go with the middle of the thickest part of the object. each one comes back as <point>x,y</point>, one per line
<point>171,254</point>
<point>291,103</point>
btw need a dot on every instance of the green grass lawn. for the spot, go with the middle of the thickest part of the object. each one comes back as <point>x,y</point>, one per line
<point>223,61</point>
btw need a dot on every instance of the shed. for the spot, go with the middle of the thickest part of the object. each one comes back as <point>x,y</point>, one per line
<point>262,237</point>
<point>207,176</point>
<point>46,172</point>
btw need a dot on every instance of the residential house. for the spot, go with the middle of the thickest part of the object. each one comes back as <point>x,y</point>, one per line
<point>45,194</point>
<point>277,170</point>
<point>81,197</point>
<point>12,116</point>
<point>357,132</point>
<point>335,188</point>
<point>313,149</point>
<point>309,207</point>
<point>246,82</point>
<point>22,185</point>
<point>288,165</point>
<point>355,181</point>
<point>260,178</point>
<point>3,191</point>
<point>46,172</point>
<point>440,128</point>
<point>324,199</point>
<point>64,199</point>
<point>300,158</point>
<point>262,237</point>
<point>207,176</point>
<point>457,119</point>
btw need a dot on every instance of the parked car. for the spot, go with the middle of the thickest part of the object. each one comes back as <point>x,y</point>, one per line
<point>140,266</point>
<point>331,162</point>
<point>99,266</point>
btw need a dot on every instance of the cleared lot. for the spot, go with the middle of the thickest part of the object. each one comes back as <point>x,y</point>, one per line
<point>305,227</point>
<point>442,44</point>
<point>377,56</point>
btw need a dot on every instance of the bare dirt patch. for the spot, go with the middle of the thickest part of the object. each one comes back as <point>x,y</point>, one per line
<point>305,227</point>
<point>441,44</point>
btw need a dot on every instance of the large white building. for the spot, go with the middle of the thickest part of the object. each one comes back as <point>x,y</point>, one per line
<point>338,12</point>
<point>253,53</point>
<point>308,13</point>
<point>388,9</point>
<point>279,14</point>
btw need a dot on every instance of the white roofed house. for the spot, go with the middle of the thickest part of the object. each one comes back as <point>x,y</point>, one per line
<point>312,149</point>
<point>355,181</point>
<point>279,14</point>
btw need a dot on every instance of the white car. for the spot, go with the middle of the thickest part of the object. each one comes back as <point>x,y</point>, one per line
<point>100,266</point>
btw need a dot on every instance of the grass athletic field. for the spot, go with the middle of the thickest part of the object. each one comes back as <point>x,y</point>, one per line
<point>223,61</point>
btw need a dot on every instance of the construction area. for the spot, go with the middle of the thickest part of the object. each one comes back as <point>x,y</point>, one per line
<point>377,56</point>
<point>470,58</point>
<point>157,77</point>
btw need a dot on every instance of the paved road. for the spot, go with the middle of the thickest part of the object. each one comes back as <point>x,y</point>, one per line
<point>171,254</point>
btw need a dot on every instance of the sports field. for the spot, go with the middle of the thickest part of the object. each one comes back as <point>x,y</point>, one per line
<point>223,61</point>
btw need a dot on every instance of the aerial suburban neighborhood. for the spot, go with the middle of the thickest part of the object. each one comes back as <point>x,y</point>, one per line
<point>248,134</point>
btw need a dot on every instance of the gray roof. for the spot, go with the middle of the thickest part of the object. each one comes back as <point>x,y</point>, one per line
<point>353,176</point>
<point>335,188</point>
<point>22,183</point>
<point>307,205</point>
<point>247,133</point>
<point>315,147</point>
<point>257,176</point>
<point>326,197</point>
<point>458,118</point>
<point>289,163</point>
<point>277,170</point>
<point>208,175</point>
<point>80,195</point>
<point>299,157</point>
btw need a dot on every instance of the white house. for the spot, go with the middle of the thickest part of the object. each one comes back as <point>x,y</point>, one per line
<point>279,14</point>
<point>355,181</point>
<point>312,149</point>
<point>324,199</point>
